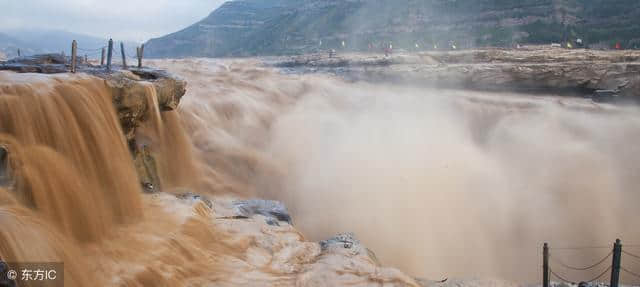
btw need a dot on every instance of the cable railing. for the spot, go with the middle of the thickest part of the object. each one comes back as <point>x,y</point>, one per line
<point>561,278</point>
<point>582,268</point>
<point>106,53</point>
<point>614,269</point>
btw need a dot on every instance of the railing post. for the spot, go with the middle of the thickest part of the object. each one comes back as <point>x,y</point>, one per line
<point>141,55</point>
<point>102,57</point>
<point>545,265</point>
<point>109,54</point>
<point>138,56</point>
<point>74,55</point>
<point>124,57</point>
<point>615,266</point>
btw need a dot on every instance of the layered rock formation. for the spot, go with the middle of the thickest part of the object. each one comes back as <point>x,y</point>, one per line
<point>576,72</point>
<point>276,27</point>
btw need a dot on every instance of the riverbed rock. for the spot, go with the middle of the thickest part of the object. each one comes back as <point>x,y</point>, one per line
<point>193,197</point>
<point>274,211</point>
<point>4,166</point>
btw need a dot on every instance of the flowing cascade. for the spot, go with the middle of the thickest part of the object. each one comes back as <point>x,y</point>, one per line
<point>69,167</point>
<point>67,153</point>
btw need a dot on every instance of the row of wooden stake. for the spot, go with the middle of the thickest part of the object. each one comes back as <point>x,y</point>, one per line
<point>106,53</point>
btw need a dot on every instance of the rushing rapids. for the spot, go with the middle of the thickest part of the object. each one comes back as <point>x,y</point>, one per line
<point>70,193</point>
<point>440,183</point>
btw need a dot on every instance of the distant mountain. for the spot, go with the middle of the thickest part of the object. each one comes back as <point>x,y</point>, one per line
<point>271,27</point>
<point>9,46</point>
<point>34,41</point>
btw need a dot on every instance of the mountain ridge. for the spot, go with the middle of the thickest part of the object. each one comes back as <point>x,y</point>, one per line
<point>253,28</point>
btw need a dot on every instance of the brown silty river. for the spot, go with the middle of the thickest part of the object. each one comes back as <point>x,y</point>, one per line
<point>439,183</point>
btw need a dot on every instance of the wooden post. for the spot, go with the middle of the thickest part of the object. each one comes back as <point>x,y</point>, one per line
<point>18,52</point>
<point>124,57</point>
<point>545,265</point>
<point>86,59</point>
<point>74,55</point>
<point>615,266</point>
<point>140,56</point>
<point>109,54</point>
<point>102,57</point>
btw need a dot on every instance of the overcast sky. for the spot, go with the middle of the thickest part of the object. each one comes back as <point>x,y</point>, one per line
<point>135,20</point>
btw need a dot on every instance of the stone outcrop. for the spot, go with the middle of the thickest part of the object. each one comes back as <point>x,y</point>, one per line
<point>130,88</point>
<point>280,252</point>
<point>562,71</point>
<point>274,211</point>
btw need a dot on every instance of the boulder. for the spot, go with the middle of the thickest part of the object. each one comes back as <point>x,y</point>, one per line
<point>5,281</point>
<point>274,211</point>
<point>192,197</point>
<point>130,92</point>
<point>348,242</point>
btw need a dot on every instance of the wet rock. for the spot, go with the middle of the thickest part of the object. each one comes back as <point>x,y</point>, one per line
<point>42,59</point>
<point>195,197</point>
<point>4,166</point>
<point>274,211</point>
<point>169,88</point>
<point>148,187</point>
<point>347,242</point>
<point>343,240</point>
<point>45,63</point>
<point>130,95</point>
<point>146,168</point>
<point>428,282</point>
<point>4,280</point>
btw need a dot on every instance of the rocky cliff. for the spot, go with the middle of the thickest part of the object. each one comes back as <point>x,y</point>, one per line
<point>250,27</point>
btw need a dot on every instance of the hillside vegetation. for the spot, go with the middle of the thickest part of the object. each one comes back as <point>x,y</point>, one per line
<point>253,27</point>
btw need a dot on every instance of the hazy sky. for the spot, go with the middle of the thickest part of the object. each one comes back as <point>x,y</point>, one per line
<point>136,20</point>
